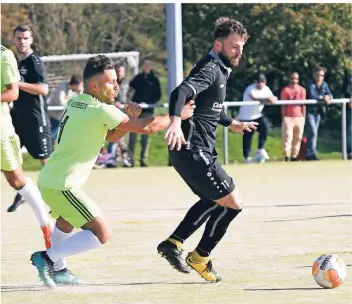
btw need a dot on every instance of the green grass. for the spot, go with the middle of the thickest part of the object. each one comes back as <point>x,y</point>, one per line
<point>293,213</point>
<point>329,146</point>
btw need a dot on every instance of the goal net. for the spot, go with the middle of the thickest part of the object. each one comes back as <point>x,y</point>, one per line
<point>61,67</point>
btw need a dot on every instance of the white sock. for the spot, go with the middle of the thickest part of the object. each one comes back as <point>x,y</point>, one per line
<point>79,242</point>
<point>33,197</point>
<point>57,237</point>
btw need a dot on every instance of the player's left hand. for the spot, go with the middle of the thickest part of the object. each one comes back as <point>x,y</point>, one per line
<point>133,109</point>
<point>240,127</point>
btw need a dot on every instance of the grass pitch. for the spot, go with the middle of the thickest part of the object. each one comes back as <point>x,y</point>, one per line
<point>293,212</point>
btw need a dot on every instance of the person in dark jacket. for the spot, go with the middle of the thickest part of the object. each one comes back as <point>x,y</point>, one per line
<point>146,88</point>
<point>347,92</point>
<point>319,90</point>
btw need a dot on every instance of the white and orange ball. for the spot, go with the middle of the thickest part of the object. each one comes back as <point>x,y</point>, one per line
<point>329,271</point>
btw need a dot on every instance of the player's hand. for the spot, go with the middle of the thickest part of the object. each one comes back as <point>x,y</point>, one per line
<point>174,135</point>
<point>188,110</point>
<point>240,127</point>
<point>118,104</point>
<point>133,109</point>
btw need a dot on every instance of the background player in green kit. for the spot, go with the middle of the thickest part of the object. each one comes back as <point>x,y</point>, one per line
<point>11,157</point>
<point>87,121</point>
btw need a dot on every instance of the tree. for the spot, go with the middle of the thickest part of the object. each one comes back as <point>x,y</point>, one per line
<point>284,37</point>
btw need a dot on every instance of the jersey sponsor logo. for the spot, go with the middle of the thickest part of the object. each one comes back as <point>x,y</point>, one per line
<point>77,104</point>
<point>23,70</point>
<point>217,106</point>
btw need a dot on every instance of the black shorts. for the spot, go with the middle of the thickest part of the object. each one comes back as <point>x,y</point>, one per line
<point>35,137</point>
<point>203,173</point>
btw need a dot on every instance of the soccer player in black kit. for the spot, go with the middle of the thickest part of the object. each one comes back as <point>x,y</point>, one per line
<point>30,112</point>
<point>193,155</point>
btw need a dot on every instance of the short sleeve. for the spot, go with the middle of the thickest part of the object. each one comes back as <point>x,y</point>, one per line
<point>283,95</point>
<point>269,92</point>
<point>9,70</point>
<point>112,116</point>
<point>38,70</point>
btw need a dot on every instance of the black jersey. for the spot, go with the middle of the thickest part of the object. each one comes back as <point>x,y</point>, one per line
<point>29,106</point>
<point>207,80</point>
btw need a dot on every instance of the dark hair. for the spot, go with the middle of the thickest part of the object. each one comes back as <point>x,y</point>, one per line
<point>75,79</point>
<point>259,77</point>
<point>97,65</point>
<point>225,26</point>
<point>22,28</point>
<point>119,65</point>
<point>319,69</point>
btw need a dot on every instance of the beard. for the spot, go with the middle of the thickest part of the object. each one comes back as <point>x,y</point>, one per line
<point>235,61</point>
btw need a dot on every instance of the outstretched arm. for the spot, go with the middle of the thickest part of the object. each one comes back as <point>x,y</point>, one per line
<point>147,125</point>
<point>132,109</point>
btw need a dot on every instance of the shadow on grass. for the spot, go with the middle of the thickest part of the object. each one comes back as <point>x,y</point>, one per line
<point>283,289</point>
<point>180,209</point>
<point>309,218</point>
<point>23,288</point>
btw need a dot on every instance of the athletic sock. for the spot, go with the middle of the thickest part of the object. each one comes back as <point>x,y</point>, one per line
<point>196,257</point>
<point>215,229</point>
<point>79,242</point>
<point>57,237</point>
<point>33,197</point>
<point>194,218</point>
<point>175,242</point>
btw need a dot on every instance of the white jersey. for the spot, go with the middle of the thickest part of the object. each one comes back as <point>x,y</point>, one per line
<point>255,111</point>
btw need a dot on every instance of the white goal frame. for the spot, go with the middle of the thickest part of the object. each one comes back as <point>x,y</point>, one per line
<point>132,59</point>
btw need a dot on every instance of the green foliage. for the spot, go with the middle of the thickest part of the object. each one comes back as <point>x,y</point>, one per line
<point>329,146</point>
<point>284,37</point>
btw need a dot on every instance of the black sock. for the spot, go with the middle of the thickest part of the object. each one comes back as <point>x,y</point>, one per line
<point>215,229</point>
<point>46,257</point>
<point>195,217</point>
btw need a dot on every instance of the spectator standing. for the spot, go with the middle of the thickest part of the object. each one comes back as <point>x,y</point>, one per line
<point>293,117</point>
<point>61,94</point>
<point>319,90</point>
<point>119,150</point>
<point>146,88</point>
<point>347,91</point>
<point>30,111</point>
<point>258,91</point>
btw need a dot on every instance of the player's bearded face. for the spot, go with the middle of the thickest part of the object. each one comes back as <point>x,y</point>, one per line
<point>107,87</point>
<point>232,48</point>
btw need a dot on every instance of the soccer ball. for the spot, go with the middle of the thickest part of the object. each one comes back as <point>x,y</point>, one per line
<point>329,271</point>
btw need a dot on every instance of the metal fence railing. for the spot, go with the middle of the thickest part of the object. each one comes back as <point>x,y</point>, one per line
<point>229,104</point>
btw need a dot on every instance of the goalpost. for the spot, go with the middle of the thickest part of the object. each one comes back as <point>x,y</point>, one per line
<point>61,67</point>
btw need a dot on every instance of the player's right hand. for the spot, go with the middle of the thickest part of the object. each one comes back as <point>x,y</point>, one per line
<point>133,109</point>
<point>188,110</point>
<point>174,135</point>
